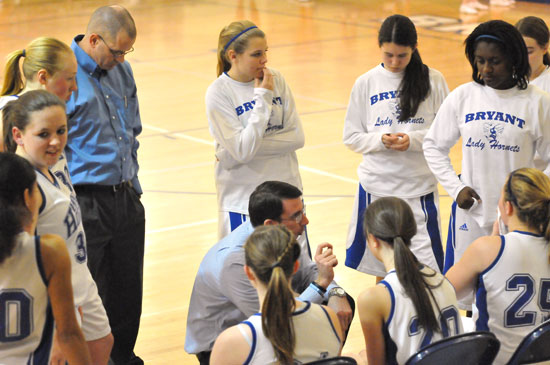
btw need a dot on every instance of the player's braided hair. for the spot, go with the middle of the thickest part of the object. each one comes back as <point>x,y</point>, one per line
<point>271,252</point>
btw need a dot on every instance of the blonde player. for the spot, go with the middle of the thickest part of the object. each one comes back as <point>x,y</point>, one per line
<point>287,330</point>
<point>511,273</point>
<point>253,118</point>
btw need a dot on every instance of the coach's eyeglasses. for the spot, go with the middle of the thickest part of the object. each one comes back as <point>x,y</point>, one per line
<point>114,52</point>
<point>297,217</point>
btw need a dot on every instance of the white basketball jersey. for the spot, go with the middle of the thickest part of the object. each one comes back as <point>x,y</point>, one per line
<point>26,320</point>
<point>513,295</point>
<point>402,334</point>
<point>316,337</point>
<point>60,214</point>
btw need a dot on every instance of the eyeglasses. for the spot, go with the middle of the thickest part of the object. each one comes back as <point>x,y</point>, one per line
<point>114,52</point>
<point>297,217</point>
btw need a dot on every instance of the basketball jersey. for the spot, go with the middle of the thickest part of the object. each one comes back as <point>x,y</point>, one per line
<point>316,337</point>
<point>402,335</point>
<point>513,295</point>
<point>60,214</point>
<point>26,320</point>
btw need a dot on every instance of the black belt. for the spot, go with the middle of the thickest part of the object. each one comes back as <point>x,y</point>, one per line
<point>104,188</point>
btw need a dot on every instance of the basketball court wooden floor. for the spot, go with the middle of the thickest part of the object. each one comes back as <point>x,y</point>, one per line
<point>320,47</point>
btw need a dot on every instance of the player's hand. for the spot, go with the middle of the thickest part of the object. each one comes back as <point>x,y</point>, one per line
<point>465,198</point>
<point>402,143</point>
<point>343,310</point>
<point>325,260</point>
<point>265,81</point>
<point>57,357</point>
<point>389,139</point>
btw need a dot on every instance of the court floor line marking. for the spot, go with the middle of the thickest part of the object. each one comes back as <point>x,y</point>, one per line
<point>211,143</point>
<point>212,221</point>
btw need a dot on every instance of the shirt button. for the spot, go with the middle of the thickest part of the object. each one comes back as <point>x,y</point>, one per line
<point>107,96</point>
<point>120,138</point>
<point>124,159</point>
<point>113,117</point>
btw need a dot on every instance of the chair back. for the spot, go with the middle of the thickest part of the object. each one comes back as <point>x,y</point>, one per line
<point>535,347</point>
<point>338,360</point>
<point>467,348</point>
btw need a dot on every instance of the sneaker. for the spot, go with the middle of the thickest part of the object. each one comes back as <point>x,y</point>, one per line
<point>479,6</point>
<point>467,9</point>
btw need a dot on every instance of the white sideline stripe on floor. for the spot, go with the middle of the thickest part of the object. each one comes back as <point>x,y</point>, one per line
<point>204,141</point>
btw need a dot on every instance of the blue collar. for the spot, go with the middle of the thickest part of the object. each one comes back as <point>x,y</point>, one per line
<point>85,62</point>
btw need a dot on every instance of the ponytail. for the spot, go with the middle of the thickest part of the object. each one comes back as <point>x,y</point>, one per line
<point>391,220</point>
<point>416,288</point>
<point>271,252</point>
<point>13,80</point>
<point>276,316</point>
<point>415,86</point>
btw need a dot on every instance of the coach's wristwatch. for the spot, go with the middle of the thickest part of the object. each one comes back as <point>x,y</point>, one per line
<point>337,292</point>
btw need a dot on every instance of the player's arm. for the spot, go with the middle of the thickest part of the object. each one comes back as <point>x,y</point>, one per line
<point>374,305</point>
<point>230,347</point>
<point>291,137</point>
<point>477,257</point>
<point>57,268</point>
<point>356,136</point>
<point>240,142</point>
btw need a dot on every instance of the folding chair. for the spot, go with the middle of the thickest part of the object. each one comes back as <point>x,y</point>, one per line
<point>479,348</point>
<point>339,360</point>
<point>535,347</point>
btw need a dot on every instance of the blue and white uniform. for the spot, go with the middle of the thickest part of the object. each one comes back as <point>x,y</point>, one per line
<point>513,295</point>
<point>373,111</point>
<point>26,320</point>
<point>500,130</point>
<point>60,214</point>
<point>402,336</point>
<point>257,133</point>
<point>543,82</point>
<point>316,337</point>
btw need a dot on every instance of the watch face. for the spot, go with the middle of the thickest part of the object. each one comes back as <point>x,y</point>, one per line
<point>339,292</point>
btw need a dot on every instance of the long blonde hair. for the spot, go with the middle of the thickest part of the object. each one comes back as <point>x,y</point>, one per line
<point>528,189</point>
<point>230,38</point>
<point>42,53</point>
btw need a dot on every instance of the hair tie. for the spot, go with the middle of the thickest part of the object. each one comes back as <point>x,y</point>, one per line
<point>276,264</point>
<point>24,53</point>
<point>237,36</point>
<point>488,36</point>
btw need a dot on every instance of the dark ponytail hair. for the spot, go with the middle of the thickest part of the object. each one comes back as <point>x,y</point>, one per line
<point>271,252</point>
<point>415,85</point>
<point>534,27</point>
<point>391,220</point>
<point>17,113</point>
<point>16,175</point>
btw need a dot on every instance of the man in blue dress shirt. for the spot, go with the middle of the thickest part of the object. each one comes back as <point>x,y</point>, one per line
<point>222,294</point>
<point>104,121</point>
